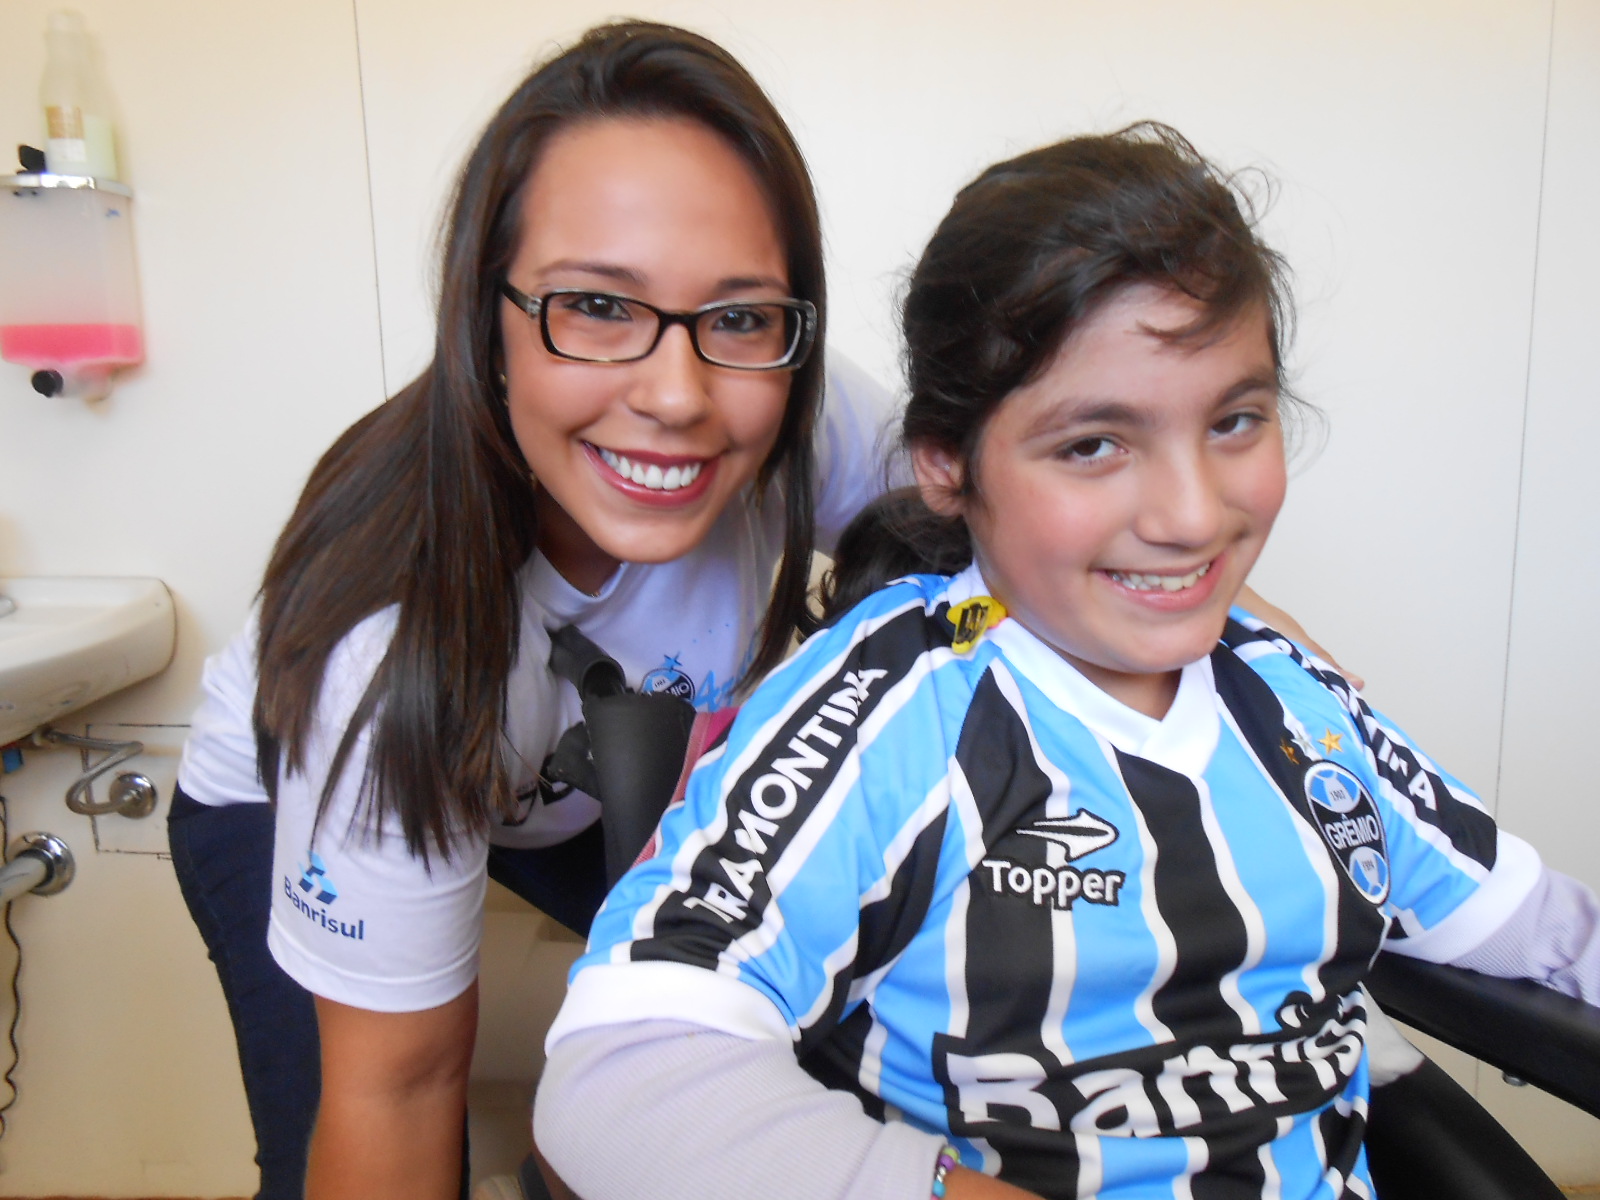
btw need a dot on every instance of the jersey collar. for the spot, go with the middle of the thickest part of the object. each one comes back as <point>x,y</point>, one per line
<point>1182,741</point>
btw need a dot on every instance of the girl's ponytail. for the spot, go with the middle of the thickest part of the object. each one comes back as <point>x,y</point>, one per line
<point>897,534</point>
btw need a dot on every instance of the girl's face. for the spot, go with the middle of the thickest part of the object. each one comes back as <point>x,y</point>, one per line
<point>634,462</point>
<point>1123,496</point>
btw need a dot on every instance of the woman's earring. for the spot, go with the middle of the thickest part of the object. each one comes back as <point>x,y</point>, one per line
<point>505,389</point>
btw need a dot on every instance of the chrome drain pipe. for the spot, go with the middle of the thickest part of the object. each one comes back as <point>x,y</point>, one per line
<point>40,863</point>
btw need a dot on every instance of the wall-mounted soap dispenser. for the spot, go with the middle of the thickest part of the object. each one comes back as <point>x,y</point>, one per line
<point>69,297</point>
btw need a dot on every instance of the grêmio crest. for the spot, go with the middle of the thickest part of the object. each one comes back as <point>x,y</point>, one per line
<point>1344,812</point>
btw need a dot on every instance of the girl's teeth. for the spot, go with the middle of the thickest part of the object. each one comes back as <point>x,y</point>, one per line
<point>652,476</point>
<point>1166,583</point>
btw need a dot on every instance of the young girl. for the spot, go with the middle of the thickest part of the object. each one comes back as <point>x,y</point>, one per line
<point>622,428</point>
<point>1058,875</point>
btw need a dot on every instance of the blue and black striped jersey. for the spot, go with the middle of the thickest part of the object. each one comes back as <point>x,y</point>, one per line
<point>1107,955</point>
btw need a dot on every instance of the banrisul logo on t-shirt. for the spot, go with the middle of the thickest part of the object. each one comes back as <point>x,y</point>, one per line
<point>1350,825</point>
<point>314,893</point>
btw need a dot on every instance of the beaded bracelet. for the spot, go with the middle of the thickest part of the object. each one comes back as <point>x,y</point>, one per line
<point>949,1157</point>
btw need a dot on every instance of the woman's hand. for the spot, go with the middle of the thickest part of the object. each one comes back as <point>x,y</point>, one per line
<point>394,1098</point>
<point>1284,623</point>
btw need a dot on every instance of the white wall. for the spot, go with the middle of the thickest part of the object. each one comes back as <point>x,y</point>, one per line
<point>241,130</point>
<point>1554,654</point>
<point>1434,163</point>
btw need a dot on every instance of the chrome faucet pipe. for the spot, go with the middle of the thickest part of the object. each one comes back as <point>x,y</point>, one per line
<point>80,796</point>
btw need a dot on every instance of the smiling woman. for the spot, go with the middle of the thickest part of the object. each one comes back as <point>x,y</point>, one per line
<point>670,211</point>
<point>624,429</point>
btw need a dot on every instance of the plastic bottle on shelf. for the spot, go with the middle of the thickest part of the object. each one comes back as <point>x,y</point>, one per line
<point>77,112</point>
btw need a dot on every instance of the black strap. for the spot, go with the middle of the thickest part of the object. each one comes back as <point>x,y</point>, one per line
<point>584,665</point>
<point>635,743</point>
<point>571,763</point>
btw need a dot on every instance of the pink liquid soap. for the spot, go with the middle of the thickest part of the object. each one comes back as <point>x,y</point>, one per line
<point>65,345</point>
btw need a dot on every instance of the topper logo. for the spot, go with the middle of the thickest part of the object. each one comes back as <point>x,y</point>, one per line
<point>1081,833</point>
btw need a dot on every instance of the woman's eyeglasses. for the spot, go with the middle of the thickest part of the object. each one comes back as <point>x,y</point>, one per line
<point>599,327</point>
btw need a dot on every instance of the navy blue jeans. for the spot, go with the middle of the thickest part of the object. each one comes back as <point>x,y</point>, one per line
<point>223,859</point>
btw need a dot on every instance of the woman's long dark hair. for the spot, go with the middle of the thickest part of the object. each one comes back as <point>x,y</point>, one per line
<point>1029,252</point>
<point>425,503</point>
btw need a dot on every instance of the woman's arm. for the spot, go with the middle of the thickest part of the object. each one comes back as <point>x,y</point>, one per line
<point>387,942</point>
<point>394,1098</point>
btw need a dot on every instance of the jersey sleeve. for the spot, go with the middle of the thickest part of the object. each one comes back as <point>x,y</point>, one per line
<point>355,917</point>
<point>1456,876</point>
<point>777,884</point>
<point>855,440</point>
<point>1443,871</point>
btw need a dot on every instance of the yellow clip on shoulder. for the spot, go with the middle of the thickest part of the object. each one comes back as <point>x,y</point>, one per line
<point>971,618</point>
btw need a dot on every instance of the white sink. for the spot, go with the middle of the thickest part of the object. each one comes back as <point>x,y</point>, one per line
<point>69,642</point>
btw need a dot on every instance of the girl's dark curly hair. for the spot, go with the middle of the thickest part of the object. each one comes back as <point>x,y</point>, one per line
<point>1029,251</point>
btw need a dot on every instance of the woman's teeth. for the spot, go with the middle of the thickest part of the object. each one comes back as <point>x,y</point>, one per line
<point>652,476</point>
<point>1166,583</point>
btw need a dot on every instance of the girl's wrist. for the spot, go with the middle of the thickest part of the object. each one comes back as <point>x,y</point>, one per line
<point>949,1159</point>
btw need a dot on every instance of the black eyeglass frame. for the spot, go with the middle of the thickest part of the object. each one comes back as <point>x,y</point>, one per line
<point>537,309</point>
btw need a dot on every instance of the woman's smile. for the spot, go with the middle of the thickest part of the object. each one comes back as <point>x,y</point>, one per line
<point>655,478</point>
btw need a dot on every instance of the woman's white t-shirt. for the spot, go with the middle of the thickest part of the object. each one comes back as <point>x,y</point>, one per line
<point>355,917</point>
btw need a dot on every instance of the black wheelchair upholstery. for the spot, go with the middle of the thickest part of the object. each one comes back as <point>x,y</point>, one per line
<point>1527,1031</point>
<point>1427,1137</point>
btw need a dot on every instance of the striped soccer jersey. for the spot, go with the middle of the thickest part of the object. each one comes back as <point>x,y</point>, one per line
<point>1107,955</point>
